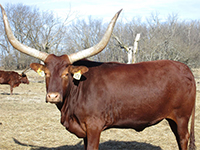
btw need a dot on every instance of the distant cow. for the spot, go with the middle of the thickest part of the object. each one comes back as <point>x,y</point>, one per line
<point>13,79</point>
<point>95,96</point>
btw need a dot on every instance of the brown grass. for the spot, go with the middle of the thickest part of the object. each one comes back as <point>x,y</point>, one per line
<point>28,123</point>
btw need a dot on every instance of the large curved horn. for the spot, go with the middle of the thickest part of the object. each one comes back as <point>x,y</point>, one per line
<point>97,48</point>
<point>17,45</point>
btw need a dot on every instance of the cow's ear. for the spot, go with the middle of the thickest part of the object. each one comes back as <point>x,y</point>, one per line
<point>39,68</point>
<point>77,71</point>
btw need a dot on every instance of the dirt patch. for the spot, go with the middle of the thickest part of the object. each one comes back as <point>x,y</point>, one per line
<point>28,123</point>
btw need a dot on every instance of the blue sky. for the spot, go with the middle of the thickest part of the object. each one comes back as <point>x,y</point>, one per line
<point>185,9</point>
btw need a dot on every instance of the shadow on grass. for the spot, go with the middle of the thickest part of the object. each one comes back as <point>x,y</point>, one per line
<point>109,145</point>
<point>9,93</point>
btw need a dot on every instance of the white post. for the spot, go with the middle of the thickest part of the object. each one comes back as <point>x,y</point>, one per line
<point>130,54</point>
<point>135,48</point>
<point>131,50</point>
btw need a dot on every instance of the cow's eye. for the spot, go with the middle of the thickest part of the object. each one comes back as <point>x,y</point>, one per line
<point>65,75</point>
<point>47,74</point>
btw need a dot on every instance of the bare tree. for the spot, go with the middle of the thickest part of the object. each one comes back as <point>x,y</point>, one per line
<point>84,34</point>
<point>160,39</point>
<point>130,50</point>
<point>40,30</point>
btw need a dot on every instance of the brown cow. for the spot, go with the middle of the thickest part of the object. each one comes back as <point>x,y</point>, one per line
<point>94,96</point>
<point>13,79</point>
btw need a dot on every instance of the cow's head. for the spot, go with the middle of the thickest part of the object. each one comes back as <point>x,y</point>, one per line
<point>24,79</point>
<point>58,73</point>
<point>58,70</point>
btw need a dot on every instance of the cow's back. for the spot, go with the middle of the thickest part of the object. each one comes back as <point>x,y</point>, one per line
<point>139,95</point>
<point>7,77</point>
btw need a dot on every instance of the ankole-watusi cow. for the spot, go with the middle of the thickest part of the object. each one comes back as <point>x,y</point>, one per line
<point>13,79</point>
<point>95,96</point>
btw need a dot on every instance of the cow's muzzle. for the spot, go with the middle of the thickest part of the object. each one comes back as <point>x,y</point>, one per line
<point>53,97</point>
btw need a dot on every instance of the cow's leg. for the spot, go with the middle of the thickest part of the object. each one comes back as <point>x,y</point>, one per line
<point>180,130</point>
<point>93,137</point>
<point>11,90</point>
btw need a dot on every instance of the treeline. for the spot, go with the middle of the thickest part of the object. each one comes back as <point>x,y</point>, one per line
<point>172,39</point>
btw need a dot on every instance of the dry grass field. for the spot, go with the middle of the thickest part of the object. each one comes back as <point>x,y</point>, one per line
<point>28,123</point>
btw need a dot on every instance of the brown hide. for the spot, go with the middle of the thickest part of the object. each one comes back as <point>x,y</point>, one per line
<point>13,79</point>
<point>120,95</point>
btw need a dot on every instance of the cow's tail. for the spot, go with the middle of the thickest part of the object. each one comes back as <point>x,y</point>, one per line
<point>192,137</point>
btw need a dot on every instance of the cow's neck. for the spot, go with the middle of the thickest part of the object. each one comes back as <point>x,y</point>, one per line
<point>69,100</point>
<point>71,94</point>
